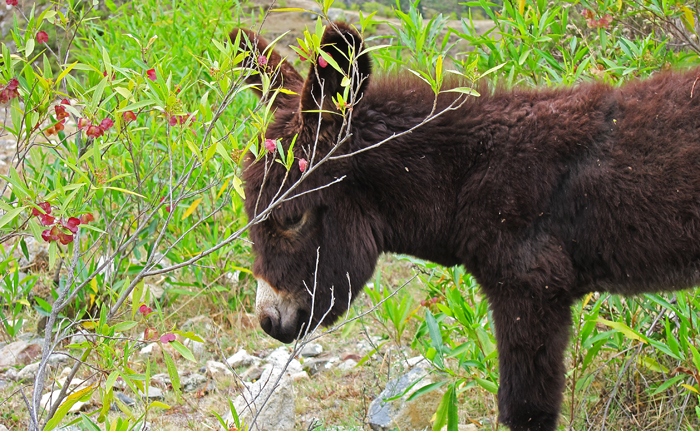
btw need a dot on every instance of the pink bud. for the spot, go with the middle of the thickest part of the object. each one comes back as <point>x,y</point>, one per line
<point>303,164</point>
<point>270,145</point>
<point>322,61</point>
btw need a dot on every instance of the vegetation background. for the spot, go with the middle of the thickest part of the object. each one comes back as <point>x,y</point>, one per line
<point>121,211</point>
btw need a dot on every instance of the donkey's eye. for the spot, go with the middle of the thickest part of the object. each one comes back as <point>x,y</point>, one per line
<point>293,221</point>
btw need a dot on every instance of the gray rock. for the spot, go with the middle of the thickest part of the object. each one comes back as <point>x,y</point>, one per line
<point>277,414</point>
<point>317,365</point>
<point>193,382</point>
<point>280,360</point>
<point>153,393</point>
<point>311,350</point>
<point>3,385</point>
<point>57,359</point>
<point>460,427</point>
<point>11,374</point>
<point>28,373</point>
<point>49,398</point>
<point>242,359</point>
<point>196,347</point>
<point>347,365</point>
<point>162,381</point>
<point>216,369</point>
<point>416,360</point>
<point>124,399</point>
<point>19,352</point>
<point>252,374</point>
<point>398,413</point>
<point>3,428</point>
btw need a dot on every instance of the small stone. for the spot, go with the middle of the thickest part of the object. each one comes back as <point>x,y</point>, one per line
<point>162,381</point>
<point>242,359</point>
<point>193,382</point>
<point>57,359</point>
<point>49,398</point>
<point>280,359</point>
<point>28,373</point>
<point>348,364</point>
<point>151,350</point>
<point>252,374</point>
<point>311,350</point>
<point>3,428</point>
<point>412,362</point>
<point>196,347</point>
<point>317,365</point>
<point>387,412</point>
<point>11,374</point>
<point>153,393</point>
<point>216,369</point>
<point>300,376</point>
<point>19,352</point>
<point>460,427</point>
<point>124,399</point>
<point>273,395</point>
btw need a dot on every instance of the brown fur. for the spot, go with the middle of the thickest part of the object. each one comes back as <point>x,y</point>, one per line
<point>543,195</point>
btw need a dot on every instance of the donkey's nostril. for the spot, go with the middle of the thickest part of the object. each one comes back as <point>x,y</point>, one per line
<point>267,325</point>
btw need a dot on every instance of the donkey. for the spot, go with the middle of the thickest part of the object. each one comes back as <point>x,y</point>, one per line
<point>543,195</point>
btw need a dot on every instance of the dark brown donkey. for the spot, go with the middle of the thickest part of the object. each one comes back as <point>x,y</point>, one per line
<point>543,195</point>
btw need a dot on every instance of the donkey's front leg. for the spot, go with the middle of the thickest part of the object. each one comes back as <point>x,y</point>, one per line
<point>532,330</point>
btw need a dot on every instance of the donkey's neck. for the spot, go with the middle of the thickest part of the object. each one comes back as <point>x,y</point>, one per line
<point>465,165</point>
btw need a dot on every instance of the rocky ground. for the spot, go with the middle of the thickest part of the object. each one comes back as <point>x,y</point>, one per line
<point>329,384</point>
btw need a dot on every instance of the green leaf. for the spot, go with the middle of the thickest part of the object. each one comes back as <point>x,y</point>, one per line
<point>425,389</point>
<point>488,385</point>
<point>137,105</point>
<point>464,90</point>
<point>172,372</point>
<point>124,326</point>
<point>621,327</point>
<point>11,215</point>
<point>184,351</point>
<point>190,335</point>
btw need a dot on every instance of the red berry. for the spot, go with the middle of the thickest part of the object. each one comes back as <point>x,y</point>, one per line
<point>44,206</point>
<point>65,102</point>
<point>71,224</point>
<point>145,310</point>
<point>151,74</point>
<point>12,84</point>
<point>46,219</point>
<point>94,131</point>
<point>270,145</point>
<point>66,238</point>
<point>106,124</point>
<point>46,235</point>
<point>42,37</point>
<point>166,338</point>
<point>86,218</point>
<point>129,116</point>
<point>322,61</point>
<point>59,126</point>
<point>60,112</point>
<point>11,2</point>
<point>82,123</point>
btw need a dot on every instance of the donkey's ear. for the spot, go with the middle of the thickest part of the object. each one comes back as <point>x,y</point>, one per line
<point>344,44</point>
<point>263,59</point>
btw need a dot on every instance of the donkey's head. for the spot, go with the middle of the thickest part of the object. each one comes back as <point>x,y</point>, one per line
<point>315,249</point>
